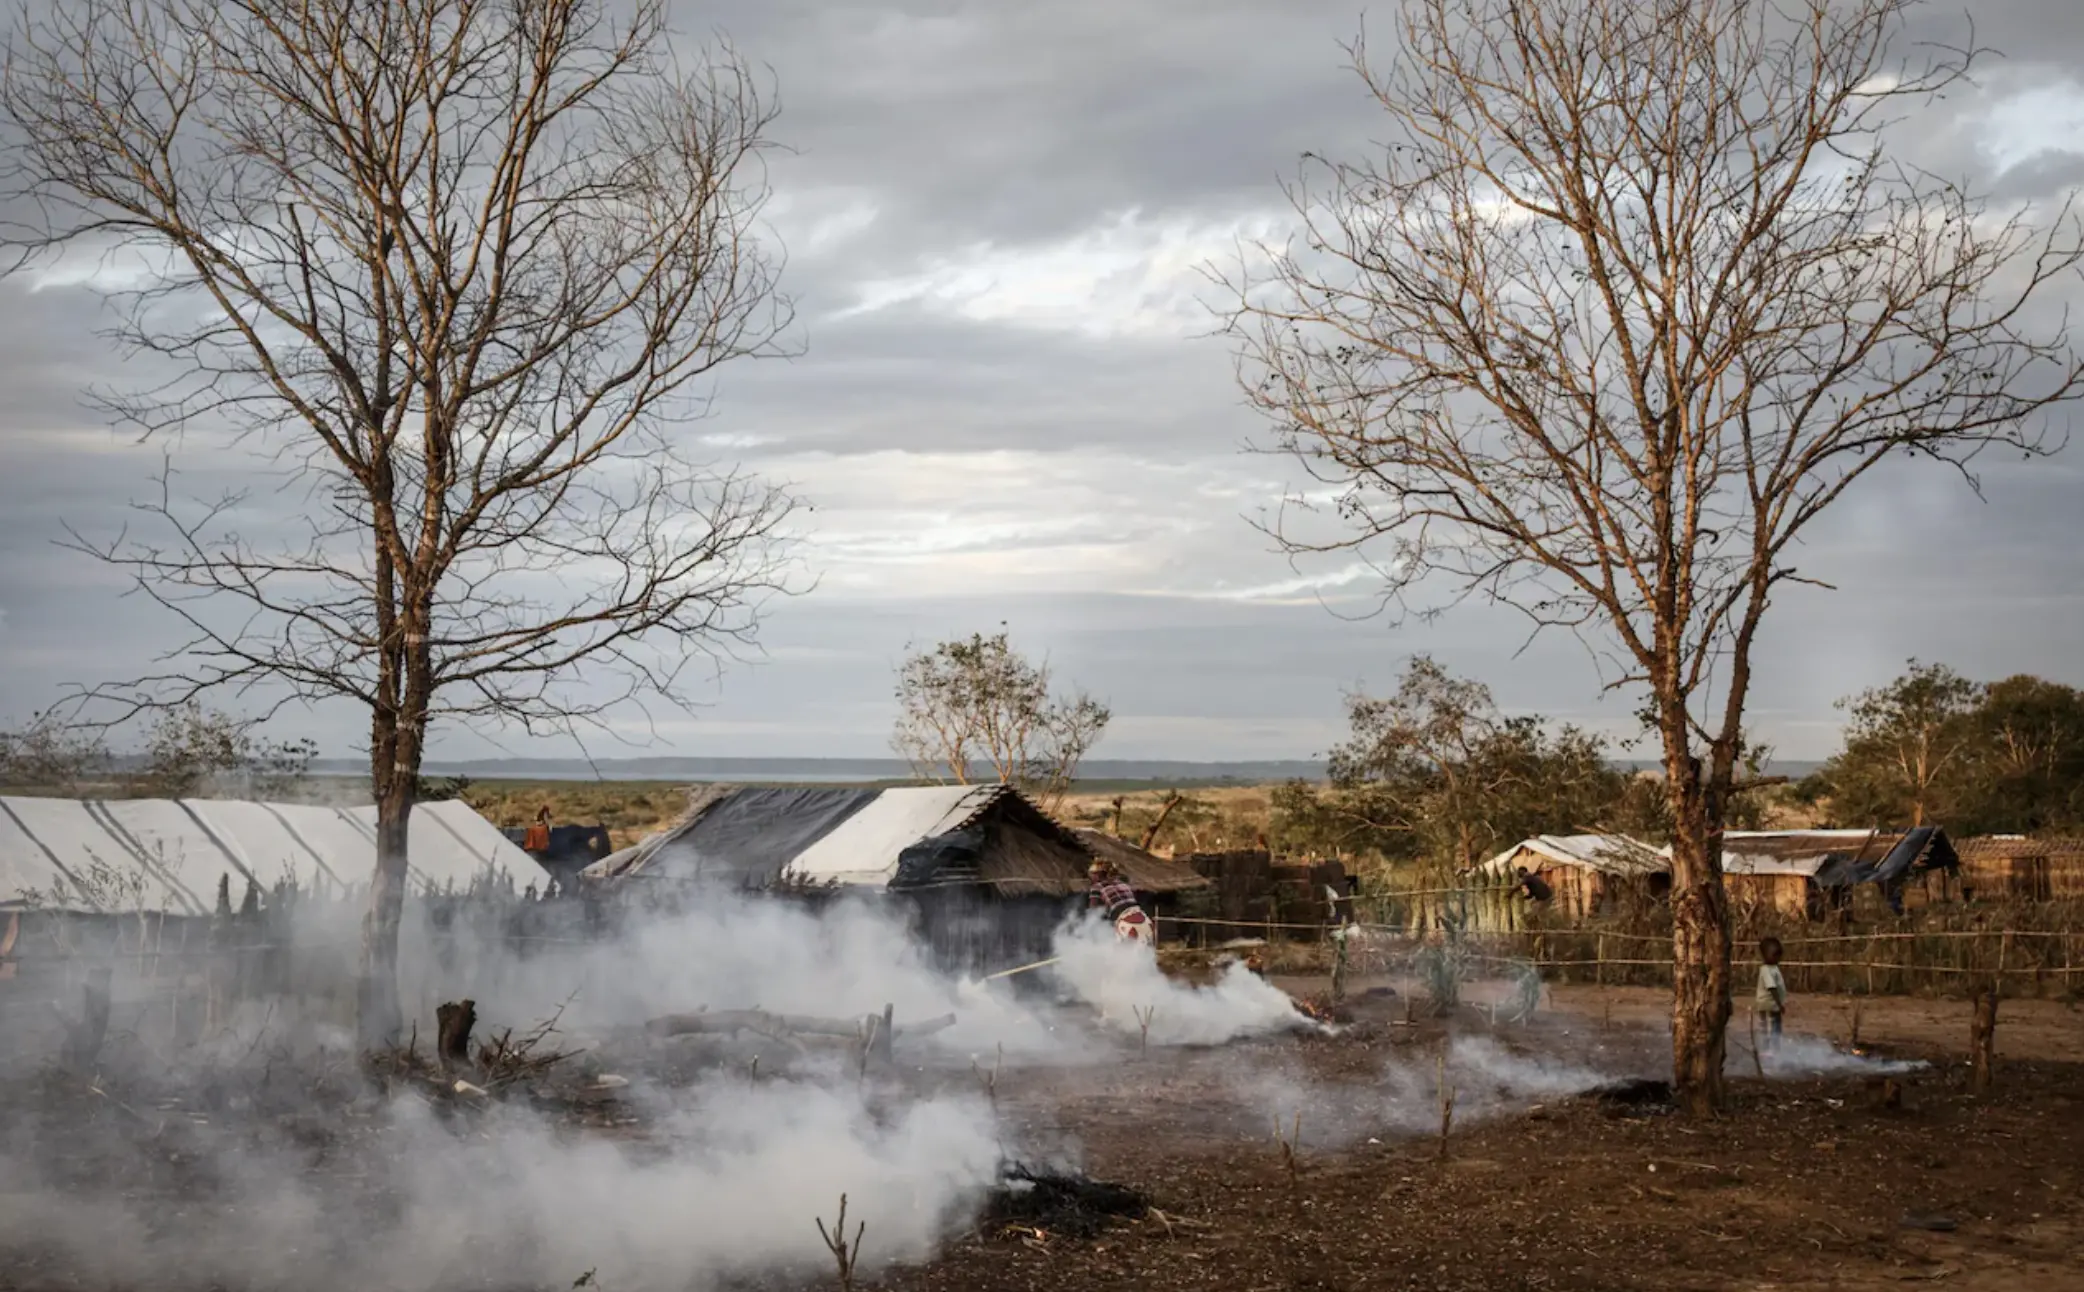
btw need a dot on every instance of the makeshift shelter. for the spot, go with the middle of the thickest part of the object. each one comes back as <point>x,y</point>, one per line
<point>1804,873</point>
<point>2014,867</point>
<point>985,874</point>
<point>168,854</point>
<point>1589,873</point>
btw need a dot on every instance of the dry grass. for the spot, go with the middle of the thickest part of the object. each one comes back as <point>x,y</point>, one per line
<point>1216,819</point>
<point>1207,819</point>
<point>629,809</point>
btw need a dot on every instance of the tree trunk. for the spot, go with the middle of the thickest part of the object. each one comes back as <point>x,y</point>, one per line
<point>379,1016</point>
<point>1700,945</point>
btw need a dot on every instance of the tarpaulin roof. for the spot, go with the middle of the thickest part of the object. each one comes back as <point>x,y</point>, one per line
<point>168,854</point>
<point>878,838</point>
<point>1610,854</point>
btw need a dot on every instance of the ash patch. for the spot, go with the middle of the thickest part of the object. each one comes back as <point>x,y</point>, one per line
<point>1071,1205</point>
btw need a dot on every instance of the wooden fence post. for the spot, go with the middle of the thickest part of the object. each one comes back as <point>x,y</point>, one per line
<point>1982,1040</point>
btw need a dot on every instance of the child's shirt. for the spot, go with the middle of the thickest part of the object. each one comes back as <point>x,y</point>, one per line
<point>1772,989</point>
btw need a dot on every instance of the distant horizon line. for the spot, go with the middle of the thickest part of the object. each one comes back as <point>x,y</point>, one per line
<point>649,767</point>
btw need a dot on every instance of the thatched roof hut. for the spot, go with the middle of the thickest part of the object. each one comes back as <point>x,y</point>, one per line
<point>1146,872</point>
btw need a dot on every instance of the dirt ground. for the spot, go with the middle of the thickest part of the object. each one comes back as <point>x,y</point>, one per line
<point>1806,1183</point>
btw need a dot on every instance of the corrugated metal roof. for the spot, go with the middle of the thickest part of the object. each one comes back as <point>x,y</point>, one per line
<point>1611,854</point>
<point>1838,858</point>
<point>174,851</point>
<point>1800,852</point>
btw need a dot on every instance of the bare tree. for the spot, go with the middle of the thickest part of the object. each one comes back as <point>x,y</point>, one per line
<point>1631,294</point>
<point>460,269</point>
<point>976,706</point>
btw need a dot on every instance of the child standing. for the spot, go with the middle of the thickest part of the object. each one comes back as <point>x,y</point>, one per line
<point>1771,1000</point>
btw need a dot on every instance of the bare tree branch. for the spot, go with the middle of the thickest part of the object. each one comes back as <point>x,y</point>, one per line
<point>1631,295</point>
<point>461,271</point>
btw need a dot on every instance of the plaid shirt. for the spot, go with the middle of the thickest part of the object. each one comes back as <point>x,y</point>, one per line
<point>1112,896</point>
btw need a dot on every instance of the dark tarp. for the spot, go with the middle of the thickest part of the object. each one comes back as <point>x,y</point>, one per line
<point>925,860</point>
<point>749,836</point>
<point>1925,848</point>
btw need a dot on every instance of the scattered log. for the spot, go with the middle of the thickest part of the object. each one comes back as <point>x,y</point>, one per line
<point>886,1033</point>
<point>1982,1041</point>
<point>453,1022</point>
<point>785,1027</point>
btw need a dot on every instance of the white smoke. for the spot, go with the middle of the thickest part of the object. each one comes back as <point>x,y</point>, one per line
<point>1121,980</point>
<point>1403,1096</point>
<point>1812,1056</point>
<point>734,1182</point>
<point>722,1177</point>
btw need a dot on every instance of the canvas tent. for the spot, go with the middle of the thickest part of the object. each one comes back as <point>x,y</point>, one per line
<point>1586,871</point>
<point>168,854</point>
<point>987,875</point>
<point>1801,872</point>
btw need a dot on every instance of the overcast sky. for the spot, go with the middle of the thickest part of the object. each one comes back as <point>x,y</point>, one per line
<point>1008,409</point>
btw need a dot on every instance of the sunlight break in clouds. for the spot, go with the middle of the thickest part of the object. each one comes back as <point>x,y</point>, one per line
<point>1129,276</point>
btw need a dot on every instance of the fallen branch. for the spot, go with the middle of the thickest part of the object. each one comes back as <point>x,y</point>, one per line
<point>784,1027</point>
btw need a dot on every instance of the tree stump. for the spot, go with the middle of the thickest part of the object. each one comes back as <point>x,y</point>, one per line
<point>1982,1041</point>
<point>453,1022</point>
<point>83,1038</point>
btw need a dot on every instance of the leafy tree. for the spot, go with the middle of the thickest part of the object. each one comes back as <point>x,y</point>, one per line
<point>2026,771</point>
<point>192,752</point>
<point>1435,774</point>
<point>975,707</point>
<point>1935,747</point>
<point>50,756</point>
<point>1908,748</point>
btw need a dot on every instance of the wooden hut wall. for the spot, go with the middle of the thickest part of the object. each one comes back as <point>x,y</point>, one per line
<point>1578,890</point>
<point>2066,875</point>
<point>2010,876</point>
<point>969,927</point>
<point>1787,894</point>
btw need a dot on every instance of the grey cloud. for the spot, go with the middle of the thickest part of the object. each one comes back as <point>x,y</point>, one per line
<point>976,122</point>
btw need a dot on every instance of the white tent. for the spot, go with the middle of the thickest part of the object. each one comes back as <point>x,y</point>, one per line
<point>167,854</point>
<point>863,849</point>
